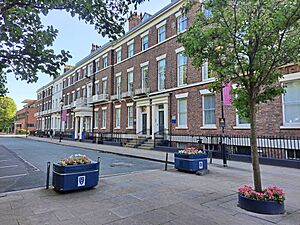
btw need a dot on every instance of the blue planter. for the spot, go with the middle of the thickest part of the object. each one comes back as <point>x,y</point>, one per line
<point>76,177</point>
<point>263,207</point>
<point>190,163</point>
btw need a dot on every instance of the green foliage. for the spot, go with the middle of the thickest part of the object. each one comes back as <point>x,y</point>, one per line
<point>8,110</point>
<point>25,43</point>
<point>22,131</point>
<point>246,41</point>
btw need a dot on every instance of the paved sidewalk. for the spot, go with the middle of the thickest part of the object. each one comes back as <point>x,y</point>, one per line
<point>156,198</point>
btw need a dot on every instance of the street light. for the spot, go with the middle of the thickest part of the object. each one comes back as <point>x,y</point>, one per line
<point>61,110</point>
<point>222,121</point>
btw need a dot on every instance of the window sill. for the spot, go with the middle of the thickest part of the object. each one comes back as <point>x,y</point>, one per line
<point>209,127</point>
<point>181,128</point>
<point>129,128</point>
<point>117,128</point>
<point>241,127</point>
<point>290,127</point>
<point>103,128</point>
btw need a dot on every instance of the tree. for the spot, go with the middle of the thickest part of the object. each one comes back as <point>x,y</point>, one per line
<point>25,44</point>
<point>8,110</point>
<point>245,42</point>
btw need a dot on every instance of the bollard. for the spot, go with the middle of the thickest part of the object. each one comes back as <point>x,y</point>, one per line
<point>48,175</point>
<point>166,164</point>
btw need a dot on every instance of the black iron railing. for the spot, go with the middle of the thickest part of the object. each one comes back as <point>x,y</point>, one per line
<point>277,147</point>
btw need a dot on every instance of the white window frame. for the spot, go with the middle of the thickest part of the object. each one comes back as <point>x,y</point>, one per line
<point>285,124</point>
<point>203,111</point>
<point>118,118</point>
<point>118,84</point>
<point>103,117</point>
<point>129,122</point>
<point>161,73</point>
<point>144,77</point>
<point>104,86</point>
<point>159,33</point>
<point>119,55</point>
<point>130,82</point>
<point>96,119</point>
<point>105,61</point>
<point>181,19</point>
<point>180,77</point>
<point>129,44</point>
<point>145,38</point>
<point>181,97</point>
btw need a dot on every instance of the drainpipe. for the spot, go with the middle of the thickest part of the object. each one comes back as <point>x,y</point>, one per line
<point>170,122</point>
<point>93,93</point>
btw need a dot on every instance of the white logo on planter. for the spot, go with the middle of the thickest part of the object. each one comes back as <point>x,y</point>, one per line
<point>81,181</point>
<point>200,165</point>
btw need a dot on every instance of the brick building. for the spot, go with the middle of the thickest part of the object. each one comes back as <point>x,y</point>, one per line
<point>26,117</point>
<point>142,84</point>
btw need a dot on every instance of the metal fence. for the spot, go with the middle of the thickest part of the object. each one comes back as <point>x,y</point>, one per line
<point>276,147</point>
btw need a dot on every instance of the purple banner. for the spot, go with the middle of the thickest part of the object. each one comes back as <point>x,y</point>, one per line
<point>64,115</point>
<point>226,94</point>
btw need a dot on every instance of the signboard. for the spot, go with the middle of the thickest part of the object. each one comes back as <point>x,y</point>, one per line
<point>64,115</point>
<point>173,120</point>
<point>222,122</point>
<point>81,181</point>
<point>226,94</point>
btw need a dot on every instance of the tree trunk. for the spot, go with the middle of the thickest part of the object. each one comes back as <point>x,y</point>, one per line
<point>254,152</point>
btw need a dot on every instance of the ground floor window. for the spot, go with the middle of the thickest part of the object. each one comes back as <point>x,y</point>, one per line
<point>209,114</point>
<point>103,118</point>
<point>291,103</point>
<point>118,117</point>
<point>96,117</point>
<point>130,116</point>
<point>182,112</point>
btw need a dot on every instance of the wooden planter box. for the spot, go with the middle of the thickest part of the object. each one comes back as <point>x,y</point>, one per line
<point>190,162</point>
<point>76,177</point>
<point>263,207</point>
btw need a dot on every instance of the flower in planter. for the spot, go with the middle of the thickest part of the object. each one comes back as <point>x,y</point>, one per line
<point>191,150</point>
<point>271,193</point>
<point>76,159</point>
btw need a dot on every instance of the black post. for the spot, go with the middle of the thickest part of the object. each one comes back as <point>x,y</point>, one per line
<point>61,110</point>
<point>166,164</point>
<point>223,149</point>
<point>48,175</point>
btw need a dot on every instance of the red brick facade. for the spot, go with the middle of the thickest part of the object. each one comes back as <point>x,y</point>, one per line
<point>269,118</point>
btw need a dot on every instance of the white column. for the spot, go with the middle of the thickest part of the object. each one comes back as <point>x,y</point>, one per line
<point>76,127</point>
<point>154,120</point>
<point>81,127</point>
<point>166,116</point>
<point>137,117</point>
<point>148,119</point>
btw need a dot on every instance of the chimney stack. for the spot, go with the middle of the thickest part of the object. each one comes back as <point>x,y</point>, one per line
<point>94,47</point>
<point>134,20</point>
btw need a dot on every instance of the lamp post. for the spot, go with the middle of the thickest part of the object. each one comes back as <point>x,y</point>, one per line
<point>61,111</point>
<point>222,121</point>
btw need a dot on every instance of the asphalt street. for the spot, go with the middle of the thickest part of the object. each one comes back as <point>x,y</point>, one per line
<point>23,162</point>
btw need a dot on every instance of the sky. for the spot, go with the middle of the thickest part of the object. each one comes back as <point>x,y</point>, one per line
<point>75,36</point>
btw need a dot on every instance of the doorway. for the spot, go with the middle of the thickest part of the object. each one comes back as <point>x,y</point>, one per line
<point>161,122</point>
<point>144,123</point>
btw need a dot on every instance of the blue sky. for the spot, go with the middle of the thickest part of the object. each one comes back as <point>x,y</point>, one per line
<point>74,36</point>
